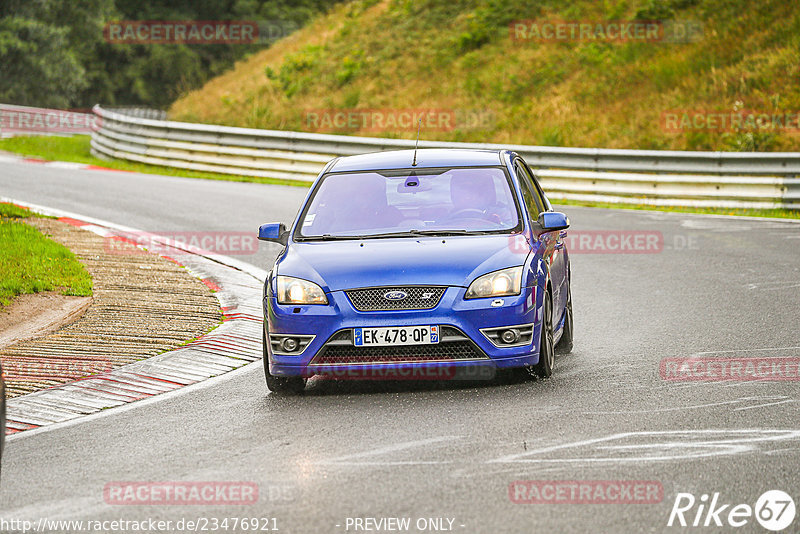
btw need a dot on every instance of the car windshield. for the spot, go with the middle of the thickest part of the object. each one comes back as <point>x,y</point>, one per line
<point>468,200</point>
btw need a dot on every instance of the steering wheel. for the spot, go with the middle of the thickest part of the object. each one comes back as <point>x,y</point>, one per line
<point>469,213</point>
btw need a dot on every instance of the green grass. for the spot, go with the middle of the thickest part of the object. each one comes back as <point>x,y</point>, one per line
<point>460,56</point>
<point>30,262</point>
<point>12,211</point>
<point>77,149</point>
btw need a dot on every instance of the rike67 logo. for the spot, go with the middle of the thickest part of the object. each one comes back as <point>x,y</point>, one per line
<point>774,510</point>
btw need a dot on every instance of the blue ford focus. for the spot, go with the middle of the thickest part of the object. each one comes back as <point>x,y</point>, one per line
<point>409,264</point>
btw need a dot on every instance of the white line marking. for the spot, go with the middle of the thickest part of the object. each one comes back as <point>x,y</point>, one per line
<point>391,462</point>
<point>764,405</point>
<point>681,408</point>
<point>794,347</point>
<point>390,449</point>
<point>683,450</point>
<point>779,451</point>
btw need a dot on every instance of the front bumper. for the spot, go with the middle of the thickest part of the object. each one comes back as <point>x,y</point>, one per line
<point>468,350</point>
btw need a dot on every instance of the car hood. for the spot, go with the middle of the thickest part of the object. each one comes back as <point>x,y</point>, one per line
<point>448,261</point>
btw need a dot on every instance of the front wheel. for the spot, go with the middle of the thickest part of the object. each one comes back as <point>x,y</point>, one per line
<point>544,368</point>
<point>281,384</point>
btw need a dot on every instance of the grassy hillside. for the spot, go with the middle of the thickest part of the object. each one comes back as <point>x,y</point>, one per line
<point>458,56</point>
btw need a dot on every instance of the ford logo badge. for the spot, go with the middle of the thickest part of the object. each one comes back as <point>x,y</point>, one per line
<point>395,295</point>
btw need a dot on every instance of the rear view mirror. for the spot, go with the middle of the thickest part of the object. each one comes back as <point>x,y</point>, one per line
<point>275,232</point>
<point>551,221</point>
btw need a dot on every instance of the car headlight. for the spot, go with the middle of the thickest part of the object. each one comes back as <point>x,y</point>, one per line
<point>497,284</point>
<point>298,291</point>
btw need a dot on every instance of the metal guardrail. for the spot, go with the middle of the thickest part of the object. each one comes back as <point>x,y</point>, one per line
<point>660,178</point>
<point>142,113</point>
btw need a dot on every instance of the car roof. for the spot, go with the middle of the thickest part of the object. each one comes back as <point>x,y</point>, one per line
<point>426,158</point>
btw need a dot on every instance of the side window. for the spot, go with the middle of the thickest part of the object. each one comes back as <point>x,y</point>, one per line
<point>529,192</point>
<point>540,192</point>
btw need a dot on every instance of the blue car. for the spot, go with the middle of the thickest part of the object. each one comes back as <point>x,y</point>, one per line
<point>418,264</point>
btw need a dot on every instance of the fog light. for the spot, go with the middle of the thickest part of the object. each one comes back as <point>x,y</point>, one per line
<point>289,344</point>
<point>509,336</point>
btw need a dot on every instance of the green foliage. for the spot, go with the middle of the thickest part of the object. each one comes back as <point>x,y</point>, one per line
<point>655,10</point>
<point>490,21</point>
<point>616,10</point>
<point>552,137</point>
<point>36,58</point>
<point>351,65</point>
<point>53,53</point>
<point>662,9</point>
<point>169,72</point>
<point>351,99</point>
<point>460,54</point>
<point>294,73</point>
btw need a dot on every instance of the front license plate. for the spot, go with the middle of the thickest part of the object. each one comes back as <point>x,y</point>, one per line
<point>395,335</point>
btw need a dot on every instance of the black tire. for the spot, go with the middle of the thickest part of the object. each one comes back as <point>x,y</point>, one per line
<point>292,385</point>
<point>544,368</point>
<point>565,343</point>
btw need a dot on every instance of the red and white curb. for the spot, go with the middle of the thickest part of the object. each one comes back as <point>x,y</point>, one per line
<point>233,344</point>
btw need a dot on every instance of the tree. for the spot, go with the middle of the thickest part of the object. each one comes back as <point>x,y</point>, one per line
<point>37,67</point>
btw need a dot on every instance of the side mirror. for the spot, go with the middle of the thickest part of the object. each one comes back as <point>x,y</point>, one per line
<point>275,232</point>
<point>550,221</point>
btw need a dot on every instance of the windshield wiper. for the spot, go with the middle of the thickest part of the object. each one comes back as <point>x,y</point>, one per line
<point>447,232</point>
<point>439,232</point>
<point>415,233</point>
<point>389,234</point>
<point>329,237</point>
<point>407,233</point>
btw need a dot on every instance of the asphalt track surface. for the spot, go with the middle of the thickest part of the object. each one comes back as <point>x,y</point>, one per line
<point>726,287</point>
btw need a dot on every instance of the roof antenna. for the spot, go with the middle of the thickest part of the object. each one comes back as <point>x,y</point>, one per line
<point>414,163</point>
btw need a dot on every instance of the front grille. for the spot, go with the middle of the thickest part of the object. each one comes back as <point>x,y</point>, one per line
<point>453,345</point>
<point>417,298</point>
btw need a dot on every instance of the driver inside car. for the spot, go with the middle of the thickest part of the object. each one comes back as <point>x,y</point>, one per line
<point>474,197</point>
